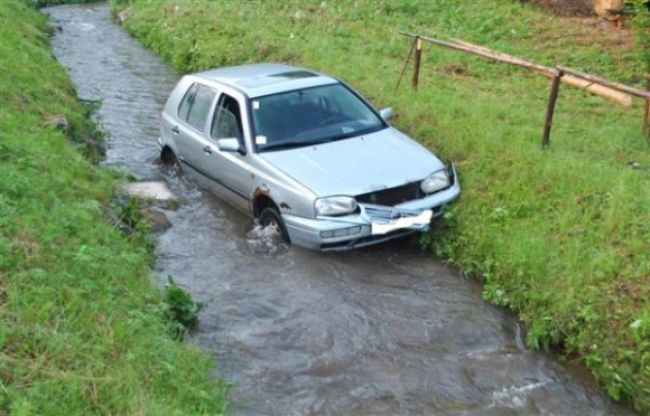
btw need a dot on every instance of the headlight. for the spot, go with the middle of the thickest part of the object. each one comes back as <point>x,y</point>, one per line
<point>335,205</point>
<point>435,182</point>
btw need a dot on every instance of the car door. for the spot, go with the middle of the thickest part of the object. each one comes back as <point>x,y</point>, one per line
<point>193,145</point>
<point>231,167</point>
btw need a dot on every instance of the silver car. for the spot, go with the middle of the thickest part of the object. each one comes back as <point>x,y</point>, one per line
<point>305,153</point>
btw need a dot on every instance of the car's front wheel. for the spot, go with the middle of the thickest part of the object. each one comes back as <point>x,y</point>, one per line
<point>270,217</point>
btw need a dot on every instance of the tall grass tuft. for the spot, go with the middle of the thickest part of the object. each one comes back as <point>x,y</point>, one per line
<point>83,327</point>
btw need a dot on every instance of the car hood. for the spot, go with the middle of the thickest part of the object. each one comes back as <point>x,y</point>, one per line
<point>358,165</point>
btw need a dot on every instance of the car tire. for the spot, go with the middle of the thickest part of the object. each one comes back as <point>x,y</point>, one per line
<point>169,162</point>
<point>168,157</point>
<point>271,216</point>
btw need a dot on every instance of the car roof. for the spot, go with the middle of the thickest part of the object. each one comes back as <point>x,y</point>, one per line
<point>256,80</point>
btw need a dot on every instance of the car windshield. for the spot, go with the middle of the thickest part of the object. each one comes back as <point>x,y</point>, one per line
<point>310,116</point>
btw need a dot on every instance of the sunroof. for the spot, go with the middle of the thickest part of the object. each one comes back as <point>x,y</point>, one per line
<point>294,74</point>
<point>275,78</point>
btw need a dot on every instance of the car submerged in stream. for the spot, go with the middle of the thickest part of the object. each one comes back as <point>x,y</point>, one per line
<point>303,152</point>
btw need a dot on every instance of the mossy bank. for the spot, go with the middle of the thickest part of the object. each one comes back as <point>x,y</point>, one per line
<point>561,235</point>
<point>83,328</point>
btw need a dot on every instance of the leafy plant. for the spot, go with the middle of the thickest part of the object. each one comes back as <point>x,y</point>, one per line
<point>182,310</point>
<point>128,210</point>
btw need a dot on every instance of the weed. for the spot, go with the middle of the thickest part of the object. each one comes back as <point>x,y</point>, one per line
<point>129,214</point>
<point>182,310</point>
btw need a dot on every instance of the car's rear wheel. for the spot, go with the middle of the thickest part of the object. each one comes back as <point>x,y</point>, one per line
<point>170,163</point>
<point>168,157</point>
<point>270,217</point>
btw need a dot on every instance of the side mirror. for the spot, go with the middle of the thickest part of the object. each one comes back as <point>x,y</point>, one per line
<point>230,144</point>
<point>386,113</point>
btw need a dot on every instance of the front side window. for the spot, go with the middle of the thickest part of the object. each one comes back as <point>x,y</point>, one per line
<point>226,123</point>
<point>200,107</point>
<point>310,116</point>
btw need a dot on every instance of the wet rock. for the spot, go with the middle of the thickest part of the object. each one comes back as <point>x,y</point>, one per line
<point>124,15</point>
<point>149,190</point>
<point>55,27</point>
<point>156,219</point>
<point>152,193</point>
<point>59,121</point>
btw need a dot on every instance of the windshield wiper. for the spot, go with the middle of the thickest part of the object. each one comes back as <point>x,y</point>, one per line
<point>293,144</point>
<point>296,143</point>
<point>284,145</point>
<point>348,135</point>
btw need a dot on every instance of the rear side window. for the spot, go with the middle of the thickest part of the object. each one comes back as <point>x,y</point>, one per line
<point>184,108</point>
<point>195,106</point>
<point>200,108</point>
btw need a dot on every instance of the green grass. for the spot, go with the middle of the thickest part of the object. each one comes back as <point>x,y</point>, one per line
<point>560,236</point>
<point>83,326</point>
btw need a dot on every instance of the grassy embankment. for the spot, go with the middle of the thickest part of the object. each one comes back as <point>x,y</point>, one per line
<point>560,236</point>
<point>82,323</point>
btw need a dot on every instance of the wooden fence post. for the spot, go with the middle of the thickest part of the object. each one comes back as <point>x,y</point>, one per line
<point>550,110</point>
<point>406,62</point>
<point>416,66</point>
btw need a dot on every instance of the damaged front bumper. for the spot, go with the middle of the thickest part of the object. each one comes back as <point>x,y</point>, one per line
<point>373,224</point>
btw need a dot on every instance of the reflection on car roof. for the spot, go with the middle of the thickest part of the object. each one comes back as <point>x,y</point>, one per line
<point>263,79</point>
<point>273,78</point>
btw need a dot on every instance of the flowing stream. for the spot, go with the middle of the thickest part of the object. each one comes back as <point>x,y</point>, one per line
<point>387,330</point>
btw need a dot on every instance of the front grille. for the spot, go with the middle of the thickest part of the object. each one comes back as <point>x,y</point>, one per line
<point>392,196</point>
<point>365,241</point>
<point>379,212</point>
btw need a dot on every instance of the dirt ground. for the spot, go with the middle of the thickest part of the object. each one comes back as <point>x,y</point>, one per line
<point>567,8</point>
<point>584,27</point>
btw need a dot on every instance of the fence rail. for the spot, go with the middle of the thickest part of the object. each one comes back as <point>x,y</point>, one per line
<point>611,90</point>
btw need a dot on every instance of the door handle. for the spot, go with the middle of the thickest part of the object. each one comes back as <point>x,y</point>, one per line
<point>207,149</point>
<point>175,129</point>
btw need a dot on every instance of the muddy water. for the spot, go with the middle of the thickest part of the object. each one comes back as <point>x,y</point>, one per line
<point>386,330</point>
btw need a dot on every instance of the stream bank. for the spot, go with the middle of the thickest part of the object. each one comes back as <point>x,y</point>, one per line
<point>83,328</point>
